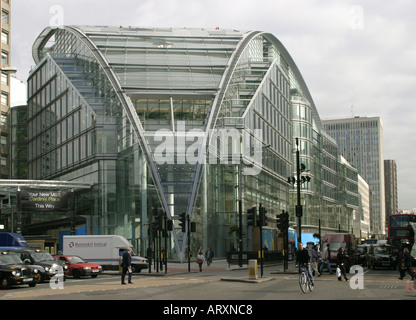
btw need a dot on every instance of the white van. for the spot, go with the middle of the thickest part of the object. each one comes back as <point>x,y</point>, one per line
<point>105,250</point>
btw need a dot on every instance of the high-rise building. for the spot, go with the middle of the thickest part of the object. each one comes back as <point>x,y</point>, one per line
<point>390,178</point>
<point>360,141</point>
<point>363,219</point>
<point>6,70</point>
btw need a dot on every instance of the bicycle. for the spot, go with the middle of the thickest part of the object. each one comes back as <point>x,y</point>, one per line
<point>305,282</point>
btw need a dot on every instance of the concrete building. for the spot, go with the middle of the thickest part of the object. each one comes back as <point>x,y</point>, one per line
<point>363,223</point>
<point>6,71</point>
<point>390,178</point>
<point>360,141</point>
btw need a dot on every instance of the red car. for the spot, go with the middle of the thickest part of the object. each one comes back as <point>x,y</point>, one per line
<point>78,267</point>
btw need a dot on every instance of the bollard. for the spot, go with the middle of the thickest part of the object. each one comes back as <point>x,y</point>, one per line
<point>252,269</point>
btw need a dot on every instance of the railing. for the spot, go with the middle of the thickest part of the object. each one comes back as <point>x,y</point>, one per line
<point>269,257</point>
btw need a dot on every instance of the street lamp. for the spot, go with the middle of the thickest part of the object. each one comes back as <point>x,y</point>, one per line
<point>299,180</point>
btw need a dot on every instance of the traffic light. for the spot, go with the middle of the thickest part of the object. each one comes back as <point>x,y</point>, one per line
<point>169,225</point>
<point>285,217</point>
<point>252,217</point>
<point>182,221</point>
<point>279,221</point>
<point>158,222</point>
<point>282,221</point>
<point>263,216</point>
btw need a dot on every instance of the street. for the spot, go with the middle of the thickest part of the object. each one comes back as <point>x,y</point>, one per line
<point>218,282</point>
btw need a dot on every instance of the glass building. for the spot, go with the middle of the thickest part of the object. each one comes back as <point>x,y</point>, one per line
<point>194,121</point>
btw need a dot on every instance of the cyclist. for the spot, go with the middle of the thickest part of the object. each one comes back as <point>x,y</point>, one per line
<point>303,261</point>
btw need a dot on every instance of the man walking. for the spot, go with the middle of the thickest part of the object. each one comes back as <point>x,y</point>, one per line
<point>126,265</point>
<point>325,261</point>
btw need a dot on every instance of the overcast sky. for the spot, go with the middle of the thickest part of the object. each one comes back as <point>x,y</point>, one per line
<point>358,58</point>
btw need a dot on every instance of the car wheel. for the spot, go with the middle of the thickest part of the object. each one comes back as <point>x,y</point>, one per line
<point>5,283</point>
<point>94,275</point>
<point>76,274</point>
<point>33,284</point>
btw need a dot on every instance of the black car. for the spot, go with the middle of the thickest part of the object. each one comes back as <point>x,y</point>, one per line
<point>42,258</point>
<point>382,256</point>
<point>14,272</point>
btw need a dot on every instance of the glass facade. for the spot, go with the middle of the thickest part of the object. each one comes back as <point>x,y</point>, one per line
<point>179,120</point>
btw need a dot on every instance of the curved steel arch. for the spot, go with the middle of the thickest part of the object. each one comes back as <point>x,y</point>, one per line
<point>288,58</point>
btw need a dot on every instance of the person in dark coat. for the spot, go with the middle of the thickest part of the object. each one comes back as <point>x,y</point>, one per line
<point>341,262</point>
<point>126,265</point>
<point>303,261</point>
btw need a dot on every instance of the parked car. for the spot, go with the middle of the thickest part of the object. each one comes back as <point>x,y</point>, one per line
<point>79,267</point>
<point>44,259</point>
<point>14,272</point>
<point>382,256</point>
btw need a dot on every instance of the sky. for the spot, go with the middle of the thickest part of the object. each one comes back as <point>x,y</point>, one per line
<point>358,58</point>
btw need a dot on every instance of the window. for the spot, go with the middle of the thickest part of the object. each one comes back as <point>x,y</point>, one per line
<point>3,160</point>
<point>4,57</point>
<point>3,119</point>
<point>4,16</point>
<point>4,37</point>
<point>4,79</point>
<point>4,99</point>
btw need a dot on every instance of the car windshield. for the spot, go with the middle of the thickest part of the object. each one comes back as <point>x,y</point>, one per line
<point>42,256</point>
<point>75,259</point>
<point>383,250</point>
<point>10,259</point>
<point>334,246</point>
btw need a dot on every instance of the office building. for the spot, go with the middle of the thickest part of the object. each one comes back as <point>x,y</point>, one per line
<point>390,179</point>
<point>360,141</point>
<point>6,71</point>
<point>200,122</point>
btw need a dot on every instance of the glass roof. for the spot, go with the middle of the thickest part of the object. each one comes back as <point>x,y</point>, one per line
<point>166,59</point>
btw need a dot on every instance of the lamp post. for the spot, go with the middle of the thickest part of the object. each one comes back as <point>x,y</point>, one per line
<point>299,180</point>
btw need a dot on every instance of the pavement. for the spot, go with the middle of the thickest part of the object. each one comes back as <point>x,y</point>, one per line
<point>221,265</point>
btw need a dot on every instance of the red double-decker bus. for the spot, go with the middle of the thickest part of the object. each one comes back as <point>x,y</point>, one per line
<point>400,230</point>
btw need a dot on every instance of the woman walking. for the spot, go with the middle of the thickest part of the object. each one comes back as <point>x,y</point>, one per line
<point>200,258</point>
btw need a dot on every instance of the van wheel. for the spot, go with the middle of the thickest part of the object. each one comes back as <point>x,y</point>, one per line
<point>5,284</point>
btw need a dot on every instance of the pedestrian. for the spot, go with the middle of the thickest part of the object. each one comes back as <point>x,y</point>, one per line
<point>314,260</point>
<point>209,254</point>
<point>126,265</point>
<point>162,258</point>
<point>325,261</point>
<point>341,263</point>
<point>406,265</point>
<point>149,256</point>
<point>200,258</point>
<point>303,260</point>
